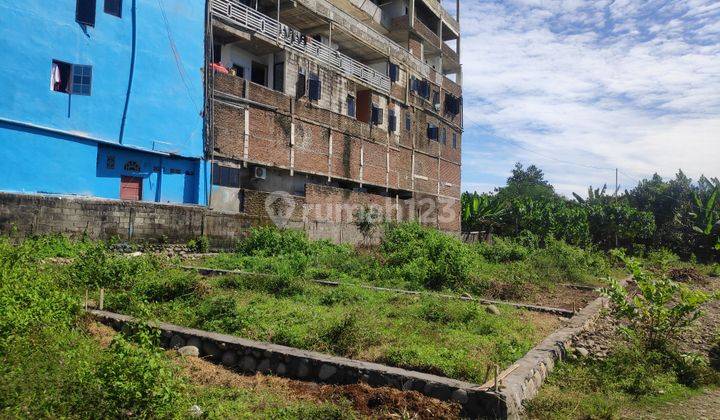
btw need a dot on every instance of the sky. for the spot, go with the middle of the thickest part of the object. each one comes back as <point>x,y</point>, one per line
<point>580,88</point>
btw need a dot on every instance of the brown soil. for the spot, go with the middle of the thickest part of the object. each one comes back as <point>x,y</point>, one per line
<point>100,332</point>
<point>687,275</point>
<point>702,338</point>
<point>373,402</point>
<point>564,297</point>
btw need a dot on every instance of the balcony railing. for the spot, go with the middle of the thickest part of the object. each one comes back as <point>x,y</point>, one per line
<point>249,18</point>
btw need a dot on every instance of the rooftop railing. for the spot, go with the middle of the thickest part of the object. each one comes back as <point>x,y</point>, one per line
<point>249,18</point>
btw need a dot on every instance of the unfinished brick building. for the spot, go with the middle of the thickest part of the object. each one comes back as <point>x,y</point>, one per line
<point>349,102</point>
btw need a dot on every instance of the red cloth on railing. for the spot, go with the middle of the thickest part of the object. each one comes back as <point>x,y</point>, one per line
<point>220,68</point>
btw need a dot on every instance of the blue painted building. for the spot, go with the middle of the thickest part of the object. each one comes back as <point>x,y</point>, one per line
<point>103,98</point>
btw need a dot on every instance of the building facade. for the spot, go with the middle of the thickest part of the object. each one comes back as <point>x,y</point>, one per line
<point>339,105</point>
<point>335,105</point>
<point>103,98</point>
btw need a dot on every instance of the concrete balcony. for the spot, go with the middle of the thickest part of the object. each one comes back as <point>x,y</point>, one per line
<point>451,60</point>
<point>449,21</point>
<point>431,38</point>
<point>237,14</point>
<point>363,33</point>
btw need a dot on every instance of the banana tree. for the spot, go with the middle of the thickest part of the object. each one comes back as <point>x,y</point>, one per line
<point>480,212</point>
<point>707,217</point>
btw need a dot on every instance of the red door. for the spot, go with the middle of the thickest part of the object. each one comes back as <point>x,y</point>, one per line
<point>130,188</point>
<point>364,102</point>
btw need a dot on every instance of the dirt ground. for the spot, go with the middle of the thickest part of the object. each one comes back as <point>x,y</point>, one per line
<point>701,407</point>
<point>380,403</point>
<point>564,297</point>
<point>703,338</point>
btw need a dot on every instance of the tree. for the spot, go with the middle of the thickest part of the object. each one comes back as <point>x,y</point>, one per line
<point>527,183</point>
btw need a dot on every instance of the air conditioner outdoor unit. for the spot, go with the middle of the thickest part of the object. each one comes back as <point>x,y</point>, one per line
<point>259,172</point>
<point>437,107</point>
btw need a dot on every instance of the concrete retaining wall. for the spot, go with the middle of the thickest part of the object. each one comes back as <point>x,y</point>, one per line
<point>252,356</point>
<point>23,215</point>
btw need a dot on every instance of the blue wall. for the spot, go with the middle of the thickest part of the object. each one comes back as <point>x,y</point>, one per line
<point>163,109</point>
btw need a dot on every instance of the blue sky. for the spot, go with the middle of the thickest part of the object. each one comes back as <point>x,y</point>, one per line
<point>582,87</point>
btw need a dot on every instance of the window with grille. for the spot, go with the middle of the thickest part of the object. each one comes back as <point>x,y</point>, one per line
<point>377,115</point>
<point>81,80</point>
<point>314,87</point>
<point>394,72</point>
<point>69,78</point>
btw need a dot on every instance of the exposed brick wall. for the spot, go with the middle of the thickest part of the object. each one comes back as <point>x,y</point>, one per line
<point>375,163</point>
<point>404,168</point>
<point>415,47</point>
<point>269,137</point>
<point>449,173</point>
<point>229,130</point>
<point>312,144</point>
<point>314,121</point>
<point>346,156</point>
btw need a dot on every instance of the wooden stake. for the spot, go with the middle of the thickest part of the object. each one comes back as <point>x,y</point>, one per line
<point>102,299</point>
<point>86,299</point>
<point>497,374</point>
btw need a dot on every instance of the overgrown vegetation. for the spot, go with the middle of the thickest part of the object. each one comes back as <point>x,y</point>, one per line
<point>414,257</point>
<point>452,338</point>
<point>645,368</point>
<point>660,310</point>
<point>676,214</point>
<point>51,367</point>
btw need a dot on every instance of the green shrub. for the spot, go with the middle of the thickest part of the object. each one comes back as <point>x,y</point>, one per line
<point>661,259</point>
<point>426,257</point>
<point>342,295</point>
<point>98,267</point>
<point>50,372</point>
<point>200,245</point>
<point>346,336</point>
<point>271,241</point>
<point>661,309</point>
<point>502,250</point>
<point>560,262</point>
<point>166,285</point>
<point>715,270</point>
<point>29,297</point>
<point>221,313</point>
<point>447,311</point>
<point>138,381</point>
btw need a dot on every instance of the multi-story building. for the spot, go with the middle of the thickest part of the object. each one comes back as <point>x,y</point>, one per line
<point>222,102</point>
<point>343,102</point>
<point>103,98</point>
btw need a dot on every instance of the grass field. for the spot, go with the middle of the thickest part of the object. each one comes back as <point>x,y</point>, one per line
<point>436,335</point>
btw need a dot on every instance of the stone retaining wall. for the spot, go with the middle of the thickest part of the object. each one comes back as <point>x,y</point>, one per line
<point>523,382</point>
<point>252,356</point>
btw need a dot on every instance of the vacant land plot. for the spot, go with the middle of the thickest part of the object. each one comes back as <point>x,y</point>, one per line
<point>451,338</point>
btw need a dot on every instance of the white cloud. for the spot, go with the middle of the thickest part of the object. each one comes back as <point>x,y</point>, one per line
<point>576,85</point>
